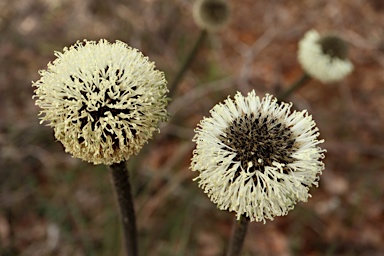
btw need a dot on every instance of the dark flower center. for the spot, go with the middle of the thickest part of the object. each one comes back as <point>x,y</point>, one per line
<point>215,11</point>
<point>334,47</point>
<point>103,110</point>
<point>259,141</point>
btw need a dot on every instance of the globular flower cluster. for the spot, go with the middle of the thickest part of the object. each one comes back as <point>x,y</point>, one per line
<point>256,157</point>
<point>104,100</point>
<point>211,14</point>
<point>324,57</point>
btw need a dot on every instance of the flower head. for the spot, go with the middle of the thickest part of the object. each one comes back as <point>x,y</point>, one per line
<point>104,100</point>
<point>256,157</point>
<point>211,14</point>
<point>324,57</point>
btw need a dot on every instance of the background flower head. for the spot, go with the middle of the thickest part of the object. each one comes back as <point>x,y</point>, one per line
<point>104,100</point>
<point>324,57</point>
<point>256,157</point>
<point>211,14</point>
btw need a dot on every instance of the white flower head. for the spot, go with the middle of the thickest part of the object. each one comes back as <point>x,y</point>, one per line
<point>324,57</point>
<point>256,157</point>
<point>104,100</point>
<point>211,15</point>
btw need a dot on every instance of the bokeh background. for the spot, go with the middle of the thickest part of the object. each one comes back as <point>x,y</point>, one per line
<point>52,204</point>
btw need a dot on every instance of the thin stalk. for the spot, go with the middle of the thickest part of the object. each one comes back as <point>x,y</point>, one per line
<point>188,61</point>
<point>295,86</point>
<point>120,179</point>
<point>239,230</point>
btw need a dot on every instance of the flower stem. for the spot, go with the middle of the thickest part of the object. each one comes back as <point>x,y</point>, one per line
<point>239,230</point>
<point>295,86</point>
<point>120,178</point>
<point>188,61</point>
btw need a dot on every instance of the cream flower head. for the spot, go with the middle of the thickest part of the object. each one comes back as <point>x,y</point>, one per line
<point>104,100</point>
<point>324,57</point>
<point>256,157</point>
<point>211,14</point>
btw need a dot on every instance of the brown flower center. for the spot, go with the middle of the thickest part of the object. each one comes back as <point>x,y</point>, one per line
<point>334,47</point>
<point>215,11</point>
<point>259,141</point>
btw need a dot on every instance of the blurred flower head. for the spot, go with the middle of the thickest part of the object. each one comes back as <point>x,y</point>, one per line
<point>211,14</point>
<point>256,157</point>
<point>324,57</point>
<point>104,100</point>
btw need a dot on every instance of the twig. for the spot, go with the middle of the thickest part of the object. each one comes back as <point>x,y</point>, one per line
<point>295,86</point>
<point>120,177</point>
<point>188,61</point>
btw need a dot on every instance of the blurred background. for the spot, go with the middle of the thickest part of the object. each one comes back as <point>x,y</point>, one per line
<point>52,204</point>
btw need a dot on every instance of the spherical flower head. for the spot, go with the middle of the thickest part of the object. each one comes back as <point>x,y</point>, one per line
<point>256,157</point>
<point>324,57</point>
<point>104,100</point>
<point>211,14</point>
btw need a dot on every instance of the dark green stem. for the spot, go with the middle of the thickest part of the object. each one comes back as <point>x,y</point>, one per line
<point>120,178</point>
<point>239,230</point>
<point>295,86</point>
<point>188,61</point>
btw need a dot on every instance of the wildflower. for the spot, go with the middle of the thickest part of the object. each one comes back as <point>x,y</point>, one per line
<point>211,14</point>
<point>104,100</point>
<point>324,57</point>
<point>256,157</point>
